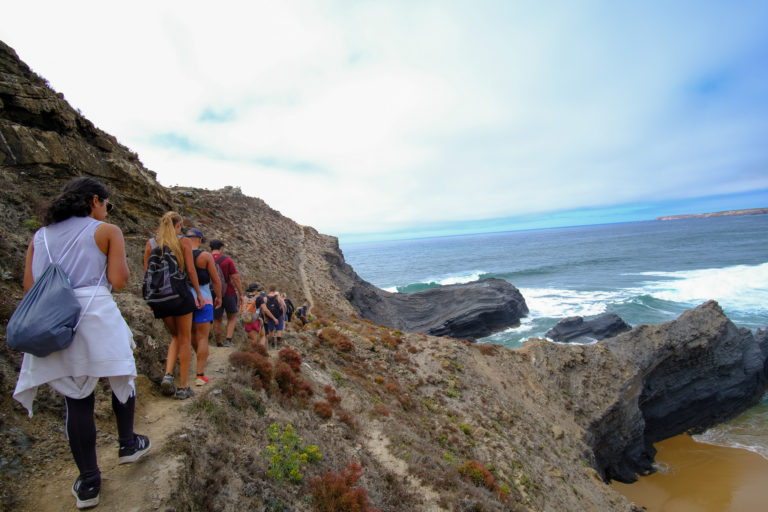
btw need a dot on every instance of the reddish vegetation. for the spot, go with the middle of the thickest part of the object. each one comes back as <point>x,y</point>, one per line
<point>335,491</point>
<point>291,358</point>
<point>487,349</point>
<point>332,397</point>
<point>323,409</point>
<point>380,410</point>
<point>339,340</point>
<point>258,365</point>
<point>289,384</point>
<point>480,476</point>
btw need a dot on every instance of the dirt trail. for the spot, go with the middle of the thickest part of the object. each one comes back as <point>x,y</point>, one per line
<point>302,269</point>
<point>141,486</point>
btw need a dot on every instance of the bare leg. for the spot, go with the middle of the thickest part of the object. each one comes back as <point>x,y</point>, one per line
<point>184,335</point>
<point>200,344</point>
<point>173,348</point>
<point>218,330</point>
<point>231,321</point>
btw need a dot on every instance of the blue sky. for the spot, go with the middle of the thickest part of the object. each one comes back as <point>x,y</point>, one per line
<point>394,119</point>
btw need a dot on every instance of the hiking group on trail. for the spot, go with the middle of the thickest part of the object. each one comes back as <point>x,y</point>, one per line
<point>190,289</point>
<point>189,311</point>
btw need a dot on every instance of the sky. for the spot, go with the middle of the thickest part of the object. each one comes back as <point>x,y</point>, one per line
<point>397,119</point>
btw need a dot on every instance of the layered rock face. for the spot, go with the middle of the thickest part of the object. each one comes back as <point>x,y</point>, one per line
<point>575,329</point>
<point>471,310</point>
<point>655,382</point>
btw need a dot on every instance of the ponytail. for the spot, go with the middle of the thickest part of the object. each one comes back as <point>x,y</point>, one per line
<point>166,236</point>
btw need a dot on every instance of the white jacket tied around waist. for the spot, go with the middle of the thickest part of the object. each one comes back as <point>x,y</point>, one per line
<point>102,347</point>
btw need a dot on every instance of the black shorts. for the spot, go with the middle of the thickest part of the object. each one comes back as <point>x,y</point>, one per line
<point>229,304</point>
<point>181,307</point>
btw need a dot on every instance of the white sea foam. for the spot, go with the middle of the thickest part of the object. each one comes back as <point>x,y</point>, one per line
<point>444,280</point>
<point>458,279</point>
<point>742,287</point>
<point>747,431</point>
<point>556,303</point>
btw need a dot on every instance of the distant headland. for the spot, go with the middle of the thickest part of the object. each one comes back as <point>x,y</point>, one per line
<point>727,213</point>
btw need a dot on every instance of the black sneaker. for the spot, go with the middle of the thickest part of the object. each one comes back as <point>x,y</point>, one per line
<point>128,454</point>
<point>184,393</point>
<point>87,496</point>
<point>166,386</point>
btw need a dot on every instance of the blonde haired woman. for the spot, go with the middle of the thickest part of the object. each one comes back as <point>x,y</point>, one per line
<point>179,318</point>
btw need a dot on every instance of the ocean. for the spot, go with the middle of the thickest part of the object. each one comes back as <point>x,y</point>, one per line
<point>645,272</point>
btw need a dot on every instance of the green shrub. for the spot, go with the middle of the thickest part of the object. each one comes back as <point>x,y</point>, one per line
<point>286,454</point>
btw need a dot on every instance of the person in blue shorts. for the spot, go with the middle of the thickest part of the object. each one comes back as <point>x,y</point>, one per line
<point>202,318</point>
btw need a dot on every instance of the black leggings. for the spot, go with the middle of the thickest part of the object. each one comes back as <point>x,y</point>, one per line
<point>81,431</point>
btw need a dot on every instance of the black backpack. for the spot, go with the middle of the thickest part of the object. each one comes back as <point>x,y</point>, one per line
<point>164,284</point>
<point>289,308</point>
<point>273,305</point>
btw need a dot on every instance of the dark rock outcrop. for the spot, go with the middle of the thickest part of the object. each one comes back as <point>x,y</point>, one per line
<point>658,381</point>
<point>471,310</point>
<point>575,329</point>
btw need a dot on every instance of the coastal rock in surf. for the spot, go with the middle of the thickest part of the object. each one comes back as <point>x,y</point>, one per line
<point>575,329</point>
<point>470,310</point>
<point>655,382</point>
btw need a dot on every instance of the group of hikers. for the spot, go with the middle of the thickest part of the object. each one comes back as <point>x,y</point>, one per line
<point>212,291</point>
<point>92,254</point>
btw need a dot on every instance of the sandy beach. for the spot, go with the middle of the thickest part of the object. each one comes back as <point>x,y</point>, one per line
<point>697,477</point>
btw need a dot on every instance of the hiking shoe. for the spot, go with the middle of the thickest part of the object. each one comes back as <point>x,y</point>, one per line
<point>184,393</point>
<point>167,386</point>
<point>128,454</point>
<point>87,496</point>
<point>202,380</point>
<point>218,344</point>
<point>229,343</point>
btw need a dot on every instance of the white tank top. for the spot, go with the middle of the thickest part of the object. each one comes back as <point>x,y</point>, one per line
<point>84,262</point>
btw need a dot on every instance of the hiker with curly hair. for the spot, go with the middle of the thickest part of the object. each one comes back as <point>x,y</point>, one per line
<point>92,253</point>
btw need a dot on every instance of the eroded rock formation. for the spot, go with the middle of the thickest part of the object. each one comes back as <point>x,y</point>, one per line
<point>471,310</point>
<point>575,329</point>
<point>657,381</point>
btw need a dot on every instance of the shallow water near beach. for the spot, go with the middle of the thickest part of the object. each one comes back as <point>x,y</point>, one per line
<point>697,477</point>
<point>647,273</point>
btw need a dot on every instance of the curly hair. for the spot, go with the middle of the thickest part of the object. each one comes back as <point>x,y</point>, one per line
<point>166,236</point>
<point>75,200</point>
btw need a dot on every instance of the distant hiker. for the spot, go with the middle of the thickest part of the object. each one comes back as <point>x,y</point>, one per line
<point>303,314</point>
<point>251,314</point>
<point>233,295</point>
<point>103,343</point>
<point>288,311</point>
<point>263,315</point>
<point>177,314</point>
<point>202,318</point>
<point>274,312</point>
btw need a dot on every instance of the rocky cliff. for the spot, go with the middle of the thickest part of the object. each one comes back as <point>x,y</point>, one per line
<point>437,424</point>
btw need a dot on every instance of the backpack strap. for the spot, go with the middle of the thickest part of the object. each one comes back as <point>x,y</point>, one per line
<point>69,248</point>
<point>96,289</point>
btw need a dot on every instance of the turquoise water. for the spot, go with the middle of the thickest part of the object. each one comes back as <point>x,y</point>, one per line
<point>646,272</point>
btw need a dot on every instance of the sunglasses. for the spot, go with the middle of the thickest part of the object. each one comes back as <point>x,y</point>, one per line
<point>110,206</point>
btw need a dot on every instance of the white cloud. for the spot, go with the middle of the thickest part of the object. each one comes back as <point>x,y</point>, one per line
<point>375,116</point>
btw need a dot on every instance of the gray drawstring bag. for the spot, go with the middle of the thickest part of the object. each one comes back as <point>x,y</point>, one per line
<point>47,317</point>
